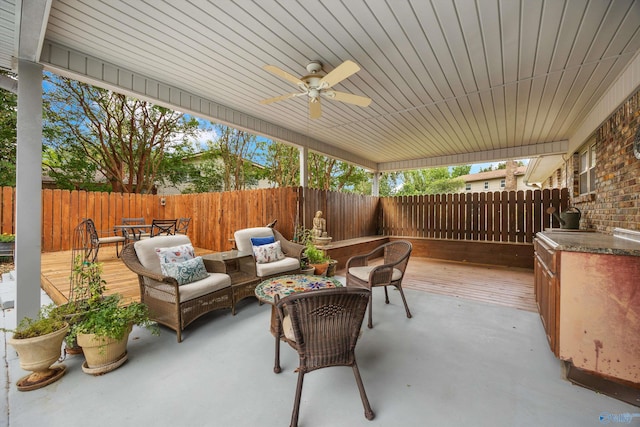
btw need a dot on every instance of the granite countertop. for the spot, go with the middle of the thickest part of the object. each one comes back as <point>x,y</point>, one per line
<point>592,242</point>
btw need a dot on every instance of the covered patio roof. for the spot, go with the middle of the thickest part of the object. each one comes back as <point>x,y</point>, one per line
<point>450,82</point>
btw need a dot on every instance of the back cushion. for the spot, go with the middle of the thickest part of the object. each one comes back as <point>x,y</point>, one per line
<point>243,237</point>
<point>146,249</point>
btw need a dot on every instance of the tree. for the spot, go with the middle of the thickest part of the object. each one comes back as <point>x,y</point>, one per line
<point>8,136</point>
<point>237,149</point>
<point>433,181</point>
<point>208,172</point>
<point>124,139</point>
<point>283,164</point>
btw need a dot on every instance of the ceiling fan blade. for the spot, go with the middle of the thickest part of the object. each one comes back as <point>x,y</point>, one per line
<point>339,73</point>
<point>280,98</point>
<point>314,108</point>
<point>349,98</point>
<point>281,73</point>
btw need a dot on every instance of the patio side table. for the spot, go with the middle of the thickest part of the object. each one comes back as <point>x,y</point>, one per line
<point>240,266</point>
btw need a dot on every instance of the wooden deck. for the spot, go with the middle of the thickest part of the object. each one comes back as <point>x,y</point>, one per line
<point>511,287</point>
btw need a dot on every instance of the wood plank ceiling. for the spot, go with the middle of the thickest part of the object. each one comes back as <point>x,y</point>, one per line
<point>451,81</point>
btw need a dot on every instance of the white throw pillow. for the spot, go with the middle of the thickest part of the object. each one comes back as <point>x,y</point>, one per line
<point>265,254</point>
<point>185,272</point>
<point>178,253</point>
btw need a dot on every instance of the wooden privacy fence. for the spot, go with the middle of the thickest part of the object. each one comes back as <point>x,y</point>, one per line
<point>500,216</point>
<point>348,215</point>
<point>508,216</point>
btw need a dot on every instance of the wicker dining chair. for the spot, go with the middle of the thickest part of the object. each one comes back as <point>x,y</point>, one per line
<point>163,227</point>
<point>389,273</point>
<point>323,326</point>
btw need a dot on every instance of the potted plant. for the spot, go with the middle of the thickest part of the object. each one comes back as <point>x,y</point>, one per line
<point>87,289</point>
<point>38,343</point>
<point>7,244</point>
<point>104,330</point>
<point>316,258</point>
<point>305,268</point>
<point>331,270</point>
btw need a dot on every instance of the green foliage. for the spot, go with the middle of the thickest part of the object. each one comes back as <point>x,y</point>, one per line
<point>90,311</point>
<point>8,136</point>
<point>237,149</point>
<point>44,324</point>
<point>430,181</point>
<point>109,318</point>
<point>283,164</point>
<point>7,238</point>
<point>315,255</point>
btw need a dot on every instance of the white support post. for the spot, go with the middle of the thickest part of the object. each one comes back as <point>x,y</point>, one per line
<point>375,185</point>
<point>304,167</point>
<point>28,190</point>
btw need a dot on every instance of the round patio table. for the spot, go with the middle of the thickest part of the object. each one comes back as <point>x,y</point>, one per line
<point>287,285</point>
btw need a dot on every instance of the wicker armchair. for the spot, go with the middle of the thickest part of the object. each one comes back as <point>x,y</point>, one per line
<point>292,251</point>
<point>170,304</point>
<point>323,326</point>
<point>389,273</point>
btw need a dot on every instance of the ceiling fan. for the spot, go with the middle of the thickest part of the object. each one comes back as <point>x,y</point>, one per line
<point>314,85</point>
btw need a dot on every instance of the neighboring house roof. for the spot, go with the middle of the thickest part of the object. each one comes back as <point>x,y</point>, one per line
<point>494,174</point>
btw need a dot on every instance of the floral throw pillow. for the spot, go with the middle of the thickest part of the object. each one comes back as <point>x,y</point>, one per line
<point>178,253</point>
<point>185,272</point>
<point>268,253</point>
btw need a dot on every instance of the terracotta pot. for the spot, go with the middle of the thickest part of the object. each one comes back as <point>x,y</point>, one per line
<point>320,269</point>
<point>103,354</point>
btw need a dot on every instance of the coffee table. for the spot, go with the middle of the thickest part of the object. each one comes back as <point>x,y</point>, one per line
<point>240,266</point>
<point>287,285</point>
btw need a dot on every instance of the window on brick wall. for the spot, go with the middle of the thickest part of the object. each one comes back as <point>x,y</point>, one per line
<point>588,168</point>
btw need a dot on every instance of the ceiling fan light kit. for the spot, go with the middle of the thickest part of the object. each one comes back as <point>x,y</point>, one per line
<point>315,85</point>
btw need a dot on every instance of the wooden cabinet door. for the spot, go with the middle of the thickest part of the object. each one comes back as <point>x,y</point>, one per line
<point>546,290</point>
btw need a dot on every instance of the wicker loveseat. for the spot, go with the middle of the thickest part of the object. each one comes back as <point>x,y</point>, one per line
<point>171,304</point>
<point>292,251</point>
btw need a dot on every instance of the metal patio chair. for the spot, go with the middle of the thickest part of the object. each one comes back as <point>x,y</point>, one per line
<point>163,227</point>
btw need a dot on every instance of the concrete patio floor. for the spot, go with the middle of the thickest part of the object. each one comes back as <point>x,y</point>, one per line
<point>455,363</point>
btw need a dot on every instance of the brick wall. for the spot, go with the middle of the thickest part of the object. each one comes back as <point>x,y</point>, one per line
<point>616,201</point>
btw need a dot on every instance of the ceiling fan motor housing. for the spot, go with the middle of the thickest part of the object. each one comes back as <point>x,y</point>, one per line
<point>314,67</point>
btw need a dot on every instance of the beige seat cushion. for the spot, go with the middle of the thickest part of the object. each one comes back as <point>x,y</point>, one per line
<point>282,266</point>
<point>362,273</point>
<point>287,328</point>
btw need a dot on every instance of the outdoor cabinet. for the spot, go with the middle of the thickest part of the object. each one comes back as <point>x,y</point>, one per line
<point>588,295</point>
